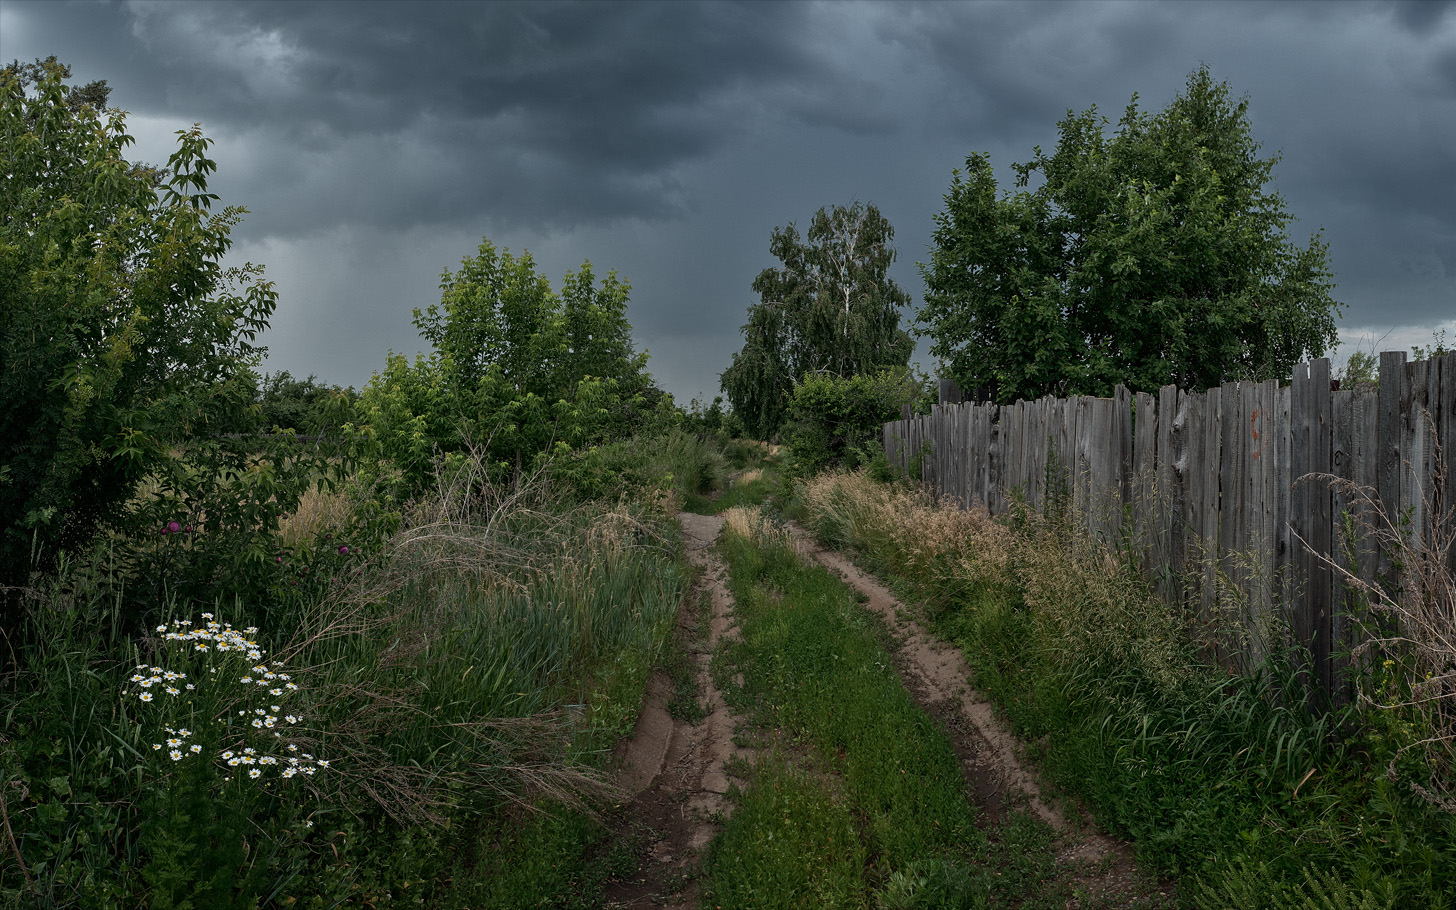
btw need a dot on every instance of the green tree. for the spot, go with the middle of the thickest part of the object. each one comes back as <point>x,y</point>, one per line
<point>121,333</point>
<point>517,369</point>
<point>1156,255</point>
<point>832,307</point>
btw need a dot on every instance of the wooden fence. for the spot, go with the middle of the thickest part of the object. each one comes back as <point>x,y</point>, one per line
<point>1210,490</point>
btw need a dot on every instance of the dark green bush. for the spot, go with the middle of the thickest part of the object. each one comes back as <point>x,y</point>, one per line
<point>836,422</point>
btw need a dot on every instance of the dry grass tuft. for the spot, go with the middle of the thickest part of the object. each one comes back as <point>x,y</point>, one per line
<point>749,522</point>
<point>318,511</point>
<point>1088,605</point>
<point>1410,636</point>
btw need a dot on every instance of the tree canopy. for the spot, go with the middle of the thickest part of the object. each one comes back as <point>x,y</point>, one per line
<point>1156,255</point>
<point>120,330</point>
<point>517,367</point>
<point>830,308</point>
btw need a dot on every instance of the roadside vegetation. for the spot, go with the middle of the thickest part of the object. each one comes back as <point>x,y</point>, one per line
<point>382,663</point>
<point>1235,785</point>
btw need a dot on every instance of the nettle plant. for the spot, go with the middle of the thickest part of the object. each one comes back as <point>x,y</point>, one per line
<point>218,698</point>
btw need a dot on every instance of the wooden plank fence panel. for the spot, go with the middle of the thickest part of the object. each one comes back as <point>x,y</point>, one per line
<point>1321,402</point>
<point>1221,479</point>
<point>1283,504</point>
<point>1393,394</point>
<point>1224,547</point>
<point>1444,456</point>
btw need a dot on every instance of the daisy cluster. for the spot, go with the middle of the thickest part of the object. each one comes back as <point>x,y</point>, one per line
<point>242,656</point>
<point>176,739</point>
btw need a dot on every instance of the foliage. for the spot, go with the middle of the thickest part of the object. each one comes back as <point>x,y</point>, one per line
<point>1362,369</point>
<point>1156,256</point>
<point>480,658</point>
<point>304,406</point>
<point>519,372</point>
<point>1437,347</point>
<point>121,332</point>
<point>832,307</point>
<point>1212,775</point>
<point>836,422</point>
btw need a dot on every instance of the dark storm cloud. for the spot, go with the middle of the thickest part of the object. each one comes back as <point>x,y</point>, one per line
<point>376,142</point>
<point>543,114</point>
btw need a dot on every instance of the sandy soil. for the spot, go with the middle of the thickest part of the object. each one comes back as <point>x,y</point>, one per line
<point>675,772</point>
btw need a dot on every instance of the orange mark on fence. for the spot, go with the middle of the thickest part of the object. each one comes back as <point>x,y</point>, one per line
<point>1254,429</point>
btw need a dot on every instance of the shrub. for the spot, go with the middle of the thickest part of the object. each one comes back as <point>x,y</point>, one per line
<point>833,421</point>
<point>122,333</point>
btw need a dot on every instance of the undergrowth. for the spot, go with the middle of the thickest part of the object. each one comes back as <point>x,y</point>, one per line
<point>1232,783</point>
<point>463,681</point>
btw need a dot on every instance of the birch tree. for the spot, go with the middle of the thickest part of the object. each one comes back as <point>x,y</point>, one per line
<point>831,308</point>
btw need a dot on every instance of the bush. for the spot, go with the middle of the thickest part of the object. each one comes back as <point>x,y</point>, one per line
<point>121,332</point>
<point>836,422</point>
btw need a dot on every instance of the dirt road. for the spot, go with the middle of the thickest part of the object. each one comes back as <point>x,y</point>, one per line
<point>677,772</point>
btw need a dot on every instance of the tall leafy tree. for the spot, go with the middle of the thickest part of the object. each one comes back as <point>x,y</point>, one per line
<point>121,333</point>
<point>1159,254</point>
<point>830,308</point>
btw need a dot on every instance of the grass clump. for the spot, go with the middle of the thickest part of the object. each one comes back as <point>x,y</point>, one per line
<point>1219,778</point>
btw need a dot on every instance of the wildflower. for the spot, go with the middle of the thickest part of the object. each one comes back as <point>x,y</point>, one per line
<point>343,551</point>
<point>246,679</point>
<point>156,747</point>
<point>322,763</point>
<point>254,773</point>
<point>159,629</point>
<point>176,755</point>
<point>289,772</point>
<point>201,646</point>
<point>228,754</point>
<point>292,720</point>
<point>184,732</point>
<point>190,687</point>
<point>257,724</point>
<point>207,616</point>
<point>194,748</point>
<point>172,690</point>
<point>174,741</point>
<point>173,526</point>
<point>146,696</point>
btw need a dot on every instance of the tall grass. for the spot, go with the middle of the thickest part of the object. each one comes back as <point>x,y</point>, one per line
<point>1214,775</point>
<point>475,666</point>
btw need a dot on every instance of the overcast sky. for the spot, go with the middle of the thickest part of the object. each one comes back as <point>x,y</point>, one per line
<point>376,143</point>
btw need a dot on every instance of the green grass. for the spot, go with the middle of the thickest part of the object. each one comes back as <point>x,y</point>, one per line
<point>1228,783</point>
<point>491,658</point>
<point>854,755</point>
<point>755,492</point>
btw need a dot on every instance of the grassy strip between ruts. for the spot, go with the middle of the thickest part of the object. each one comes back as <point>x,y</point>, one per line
<point>860,801</point>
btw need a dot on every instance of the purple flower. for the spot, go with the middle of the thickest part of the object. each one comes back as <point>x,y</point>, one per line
<point>280,559</point>
<point>343,550</point>
<point>173,526</point>
<point>187,528</point>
